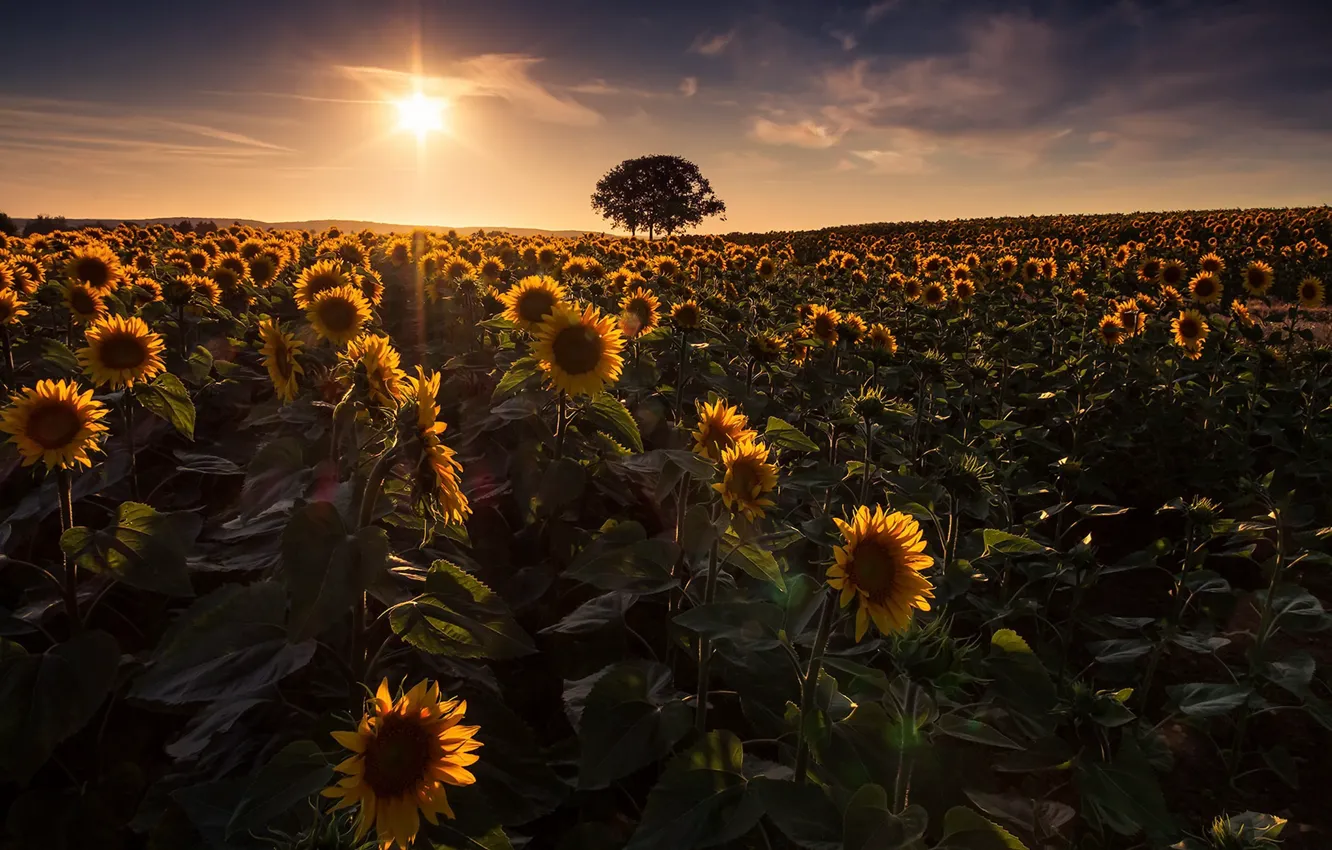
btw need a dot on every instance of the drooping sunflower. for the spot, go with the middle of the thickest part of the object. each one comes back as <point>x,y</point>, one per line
<point>380,360</point>
<point>279,352</point>
<point>823,321</point>
<point>1257,278</point>
<point>1171,298</point>
<point>436,484</point>
<point>638,313</point>
<point>935,294</point>
<point>405,751</point>
<point>338,314</point>
<point>319,277</point>
<point>84,302</point>
<point>1241,314</point>
<point>580,352</point>
<point>1311,293</point>
<point>749,478</point>
<point>1112,330</point>
<point>11,307</point>
<point>720,426</point>
<point>879,565</point>
<point>54,423</point>
<point>1205,288</point>
<point>1190,330</point>
<point>121,352</point>
<point>96,266</point>
<point>531,299</point>
<point>882,339</point>
<point>687,315</point>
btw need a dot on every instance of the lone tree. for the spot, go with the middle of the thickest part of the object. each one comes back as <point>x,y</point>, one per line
<point>659,194</point>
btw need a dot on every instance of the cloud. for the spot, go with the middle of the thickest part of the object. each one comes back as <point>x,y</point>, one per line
<point>846,39</point>
<point>801,134</point>
<point>689,86</point>
<point>880,9</point>
<point>893,162</point>
<point>506,76</point>
<point>712,45</point>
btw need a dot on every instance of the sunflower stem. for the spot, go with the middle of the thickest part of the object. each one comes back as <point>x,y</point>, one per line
<point>373,485</point>
<point>683,362</point>
<point>66,488</point>
<point>9,353</point>
<point>810,687</point>
<point>561,424</point>
<point>127,411</point>
<point>869,442</point>
<point>704,642</point>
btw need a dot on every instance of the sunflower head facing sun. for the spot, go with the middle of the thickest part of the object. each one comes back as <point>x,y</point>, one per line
<point>531,299</point>
<point>121,352</point>
<point>580,352</point>
<point>879,564</point>
<point>405,751</point>
<point>55,423</point>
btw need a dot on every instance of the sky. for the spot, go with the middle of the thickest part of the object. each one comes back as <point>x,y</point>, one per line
<point>801,113</point>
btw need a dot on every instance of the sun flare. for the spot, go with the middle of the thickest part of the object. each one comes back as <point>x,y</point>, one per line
<point>420,114</point>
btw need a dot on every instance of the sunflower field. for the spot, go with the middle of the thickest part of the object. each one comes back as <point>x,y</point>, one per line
<point>967,535</point>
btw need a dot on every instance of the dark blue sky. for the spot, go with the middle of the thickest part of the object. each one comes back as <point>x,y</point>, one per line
<point>804,113</point>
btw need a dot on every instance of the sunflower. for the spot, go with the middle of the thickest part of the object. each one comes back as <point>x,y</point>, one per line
<point>580,352</point>
<point>279,351</point>
<point>54,423</point>
<point>1241,314</point>
<point>11,307</point>
<point>1079,297</point>
<point>84,302</point>
<point>490,270</point>
<point>1212,264</point>
<point>1112,329</point>
<point>880,565</point>
<point>765,347</point>
<point>28,273</point>
<point>95,266</point>
<point>935,294</point>
<point>911,288</point>
<point>963,290</point>
<point>530,300</point>
<point>121,352</point>
<point>638,313</point>
<point>1149,271</point>
<point>1172,272</point>
<point>323,275</point>
<point>1311,293</point>
<point>405,751</point>
<point>1190,330</point>
<point>1257,278</point>
<point>720,426</point>
<point>339,314</point>
<point>382,365</point>
<point>687,315</point>
<point>1007,265</point>
<point>882,339</point>
<point>749,477</point>
<point>766,268</point>
<point>1206,288</point>
<point>436,488</point>
<point>1131,316</point>
<point>1171,298</point>
<point>823,321</point>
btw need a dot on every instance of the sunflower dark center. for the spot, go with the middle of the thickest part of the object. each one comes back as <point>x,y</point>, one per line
<point>1255,278</point>
<point>874,565</point>
<point>319,283</point>
<point>534,304</point>
<point>93,272</point>
<point>577,349</point>
<point>82,302</point>
<point>338,314</point>
<point>1188,328</point>
<point>54,425</point>
<point>1172,274</point>
<point>744,477</point>
<point>397,757</point>
<point>1206,287</point>
<point>122,351</point>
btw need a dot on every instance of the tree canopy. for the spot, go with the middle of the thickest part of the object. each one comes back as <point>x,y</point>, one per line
<point>659,194</point>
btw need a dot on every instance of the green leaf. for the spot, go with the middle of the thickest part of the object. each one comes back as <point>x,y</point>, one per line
<point>784,435</point>
<point>327,569</point>
<point>867,824</point>
<point>624,558</point>
<point>1010,544</point>
<point>755,624</point>
<point>1101,510</point>
<point>630,719</point>
<point>758,563</point>
<point>167,397</point>
<point>46,698</point>
<point>461,617</point>
<point>609,413</point>
<point>803,813</point>
<point>701,800</point>
<point>1124,795</point>
<point>1199,699</point>
<point>1119,650</point>
<point>141,547</point>
<point>518,374</point>
<point>57,354</point>
<point>1009,641</point>
<point>968,729</point>
<point>231,643</point>
<point>594,614</point>
<point>297,772</point>
<point>561,484</point>
<point>966,830</point>
<point>454,839</point>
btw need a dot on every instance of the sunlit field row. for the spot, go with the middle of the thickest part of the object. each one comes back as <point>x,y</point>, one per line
<point>983,534</point>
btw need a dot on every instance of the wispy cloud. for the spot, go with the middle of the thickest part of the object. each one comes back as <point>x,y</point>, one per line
<point>801,134</point>
<point>880,10</point>
<point>710,44</point>
<point>689,86</point>
<point>507,76</point>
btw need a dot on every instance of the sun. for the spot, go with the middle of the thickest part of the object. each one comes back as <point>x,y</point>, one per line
<point>420,114</point>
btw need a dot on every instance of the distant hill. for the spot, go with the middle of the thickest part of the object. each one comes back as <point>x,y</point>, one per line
<point>322,224</point>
